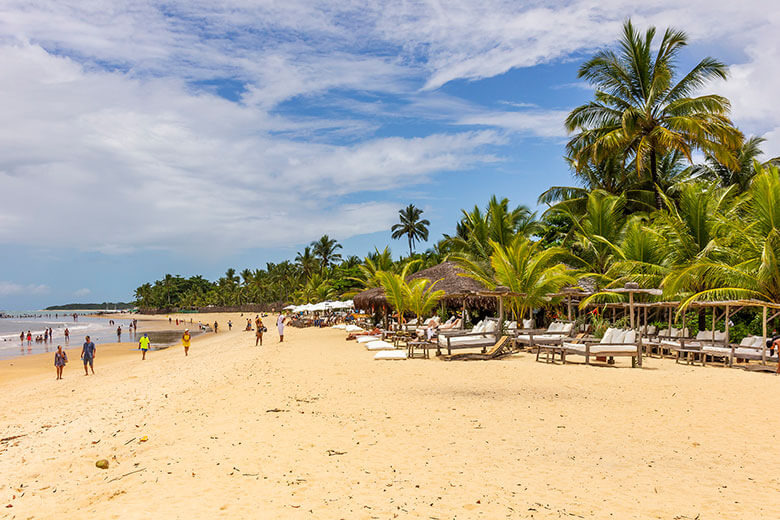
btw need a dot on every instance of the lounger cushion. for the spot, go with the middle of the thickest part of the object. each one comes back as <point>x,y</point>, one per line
<point>528,324</point>
<point>720,336</point>
<point>367,339</point>
<point>353,328</point>
<point>629,337</point>
<point>607,338</point>
<point>479,327</point>
<point>390,354</point>
<point>566,329</point>
<point>379,345</point>
<point>491,326</point>
<point>617,336</point>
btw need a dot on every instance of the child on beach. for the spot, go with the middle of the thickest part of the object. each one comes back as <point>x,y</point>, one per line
<point>60,359</point>
<point>88,355</point>
<point>143,343</point>
<point>185,341</point>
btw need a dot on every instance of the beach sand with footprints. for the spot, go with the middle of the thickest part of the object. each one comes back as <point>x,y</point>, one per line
<point>315,428</point>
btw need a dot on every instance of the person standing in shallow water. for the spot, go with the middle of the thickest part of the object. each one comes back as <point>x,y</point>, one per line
<point>88,355</point>
<point>60,359</point>
<point>185,341</point>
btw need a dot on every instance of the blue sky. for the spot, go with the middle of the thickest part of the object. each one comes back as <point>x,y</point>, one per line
<point>148,137</point>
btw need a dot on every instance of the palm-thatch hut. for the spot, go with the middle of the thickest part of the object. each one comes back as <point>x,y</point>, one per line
<point>460,291</point>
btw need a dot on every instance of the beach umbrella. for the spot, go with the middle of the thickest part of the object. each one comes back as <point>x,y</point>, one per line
<point>289,307</point>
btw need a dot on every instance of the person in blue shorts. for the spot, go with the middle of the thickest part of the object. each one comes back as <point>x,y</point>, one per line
<point>88,355</point>
<point>143,343</point>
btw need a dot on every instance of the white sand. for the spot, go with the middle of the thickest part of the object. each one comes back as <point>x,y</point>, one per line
<point>357,438</point>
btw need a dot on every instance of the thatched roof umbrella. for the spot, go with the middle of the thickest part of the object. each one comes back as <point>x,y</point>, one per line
<point>458,290</point>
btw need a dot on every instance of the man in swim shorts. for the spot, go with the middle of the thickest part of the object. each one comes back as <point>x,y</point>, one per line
<point>88,355</point>
<point>143,343</point>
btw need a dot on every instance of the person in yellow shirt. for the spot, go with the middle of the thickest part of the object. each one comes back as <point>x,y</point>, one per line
<point>144,344</point>
<point>185,341</point>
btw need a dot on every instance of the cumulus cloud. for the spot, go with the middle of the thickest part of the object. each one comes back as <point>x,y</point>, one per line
<point>13,289</point>
<point>82,292</point>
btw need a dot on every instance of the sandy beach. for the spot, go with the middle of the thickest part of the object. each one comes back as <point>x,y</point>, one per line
<point>314,428</point>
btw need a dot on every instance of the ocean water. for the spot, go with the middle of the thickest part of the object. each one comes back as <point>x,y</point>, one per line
<point>99,330</point>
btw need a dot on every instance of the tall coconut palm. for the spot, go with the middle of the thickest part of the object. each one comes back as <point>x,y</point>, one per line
<point>640,113</point>
<point>325,249</point>
<point>525,268</point>
<point>307,261</point>
<point>411,226</point>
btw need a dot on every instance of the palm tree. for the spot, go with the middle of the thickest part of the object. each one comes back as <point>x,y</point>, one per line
<point>421,296</point>
<point>396,290</point>
<point>411,226</point>
<point>639,111</point>
<point>746,156</point>
<point>307,261</point>
<point>325,249</point>
<point>525,268</point>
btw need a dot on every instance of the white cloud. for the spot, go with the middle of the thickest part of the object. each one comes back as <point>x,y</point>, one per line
<point>82,292</point>
<point>12,289</point>
<point>543,123</point>
<point>134,163</point>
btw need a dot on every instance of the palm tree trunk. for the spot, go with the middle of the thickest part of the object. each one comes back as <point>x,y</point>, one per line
<point>654,178</point>
<point>410,245</point>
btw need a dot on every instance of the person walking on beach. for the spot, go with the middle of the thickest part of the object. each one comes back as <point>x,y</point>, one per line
<point>143,343</point>
<point>67,335</point>
<point>60,359</point>
<point>280,327</point>
<point>230,325</point>
<point>216,327</point>
<point>258,331</point>
<point>185,341</point>
<point>88,355</point>
<point>21,337</point>
<point>119,334</point>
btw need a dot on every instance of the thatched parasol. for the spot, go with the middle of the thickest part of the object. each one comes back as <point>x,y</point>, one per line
<point>458,290</point>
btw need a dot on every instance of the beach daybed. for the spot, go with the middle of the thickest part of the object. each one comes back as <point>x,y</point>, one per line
<point>614,343</point>
<point>482,335</point>
<point>367,339</point>
<point>555,334</point>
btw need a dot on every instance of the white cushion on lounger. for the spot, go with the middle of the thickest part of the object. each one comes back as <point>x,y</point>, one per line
<point>716,350</point>
<point>597,349</point>
<point>575,347</point>
<point>747,341</point>
<point>479,327</point>
<point>684,333</point>
<point>492,326</point>
<point>663,332</point>
<point>760,343</point>
<point>629,337</point>
<point>555,326</point>
<point>720,336</point>
<point>379,345</point>
<point>512,325</point>
<point>607,337</point>
<point>528,324</point>
<point>566,329</point>
<point>353,328</point>
<point>340,326</point>
<point>703,334</point>
<point>367,339</point>
<point>651,329</point>
<point>390,354</point>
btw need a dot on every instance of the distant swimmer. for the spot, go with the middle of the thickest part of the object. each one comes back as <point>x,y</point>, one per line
<point>143,343</point>
<point>67,335</point>
<point>60,360</point>
<point>88,355</point>
<point>185,341</point>
<point>119,334</point>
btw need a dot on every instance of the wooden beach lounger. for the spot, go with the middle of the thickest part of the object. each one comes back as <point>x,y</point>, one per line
<point>615,343</point>
<point>498,350</point>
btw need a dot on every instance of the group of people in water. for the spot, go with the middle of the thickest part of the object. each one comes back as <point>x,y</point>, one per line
<point>48,335</point>
<point>89,349</point>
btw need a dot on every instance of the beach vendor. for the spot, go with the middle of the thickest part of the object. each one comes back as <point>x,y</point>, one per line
<point>280,327</point>
<point>185,341</point>
<point>60,359</point>
<point>88,355</point>
<point>143,343</point>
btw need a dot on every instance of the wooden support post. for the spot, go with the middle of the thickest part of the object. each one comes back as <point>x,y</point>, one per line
<point>568,307</point>
<point>728,341</point>
<point>631,309</point>
<point>763,351</point>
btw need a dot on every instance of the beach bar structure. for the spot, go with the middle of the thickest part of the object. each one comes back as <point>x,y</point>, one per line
<point>460,291</point>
